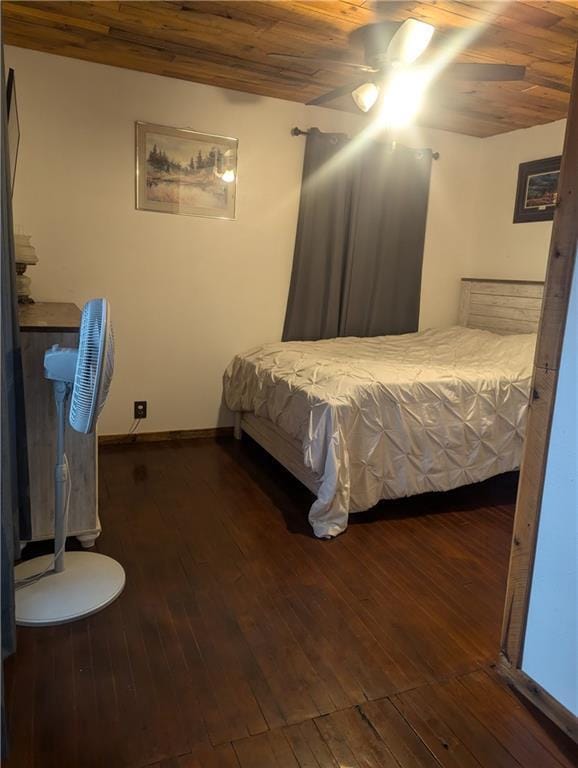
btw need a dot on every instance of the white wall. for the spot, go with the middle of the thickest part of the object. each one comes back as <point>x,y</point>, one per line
<point>498,247</point>
<point>451,211</point>
<point>187,293</point>
<point>551,640</point>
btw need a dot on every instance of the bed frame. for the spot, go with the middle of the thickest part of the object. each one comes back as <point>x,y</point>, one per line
<point>501,306</point>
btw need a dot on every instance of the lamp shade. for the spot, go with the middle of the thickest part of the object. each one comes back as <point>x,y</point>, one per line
<point>409,42</point>
<point>365,96</point>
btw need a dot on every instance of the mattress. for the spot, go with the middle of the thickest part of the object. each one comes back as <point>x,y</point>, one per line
<point>391,416</point>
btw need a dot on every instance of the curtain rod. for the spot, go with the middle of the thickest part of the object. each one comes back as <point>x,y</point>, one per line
<point>298,132</point>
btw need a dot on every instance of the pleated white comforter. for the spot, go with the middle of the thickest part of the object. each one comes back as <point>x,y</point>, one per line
<point>391,416</point>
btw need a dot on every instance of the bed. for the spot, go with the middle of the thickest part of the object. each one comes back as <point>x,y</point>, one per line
<point>361,420</point>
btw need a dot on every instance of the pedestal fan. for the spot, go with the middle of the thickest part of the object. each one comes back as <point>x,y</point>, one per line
<point>65,586</point>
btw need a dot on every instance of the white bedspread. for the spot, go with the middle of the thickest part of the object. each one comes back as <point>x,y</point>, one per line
<point>391,416</point>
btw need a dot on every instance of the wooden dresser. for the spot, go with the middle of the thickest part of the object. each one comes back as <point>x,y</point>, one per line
<point>42,325</point>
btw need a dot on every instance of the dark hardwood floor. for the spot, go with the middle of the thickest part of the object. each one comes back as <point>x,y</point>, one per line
<point>242,642</point>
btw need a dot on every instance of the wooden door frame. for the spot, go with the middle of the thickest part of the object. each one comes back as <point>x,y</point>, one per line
<point>562,257</point>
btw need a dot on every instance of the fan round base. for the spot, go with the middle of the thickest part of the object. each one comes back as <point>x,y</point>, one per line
<point>88,583</point>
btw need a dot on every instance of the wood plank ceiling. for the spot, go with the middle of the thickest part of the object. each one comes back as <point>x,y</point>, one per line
<point>227,44</point>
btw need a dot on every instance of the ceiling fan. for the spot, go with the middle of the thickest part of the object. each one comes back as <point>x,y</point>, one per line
<point>390,51</point>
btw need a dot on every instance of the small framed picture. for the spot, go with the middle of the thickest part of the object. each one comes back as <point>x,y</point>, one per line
<point>537,192</point>
<point>182,171</point>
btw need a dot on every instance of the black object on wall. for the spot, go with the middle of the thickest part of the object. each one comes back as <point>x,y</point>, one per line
<point>13,126</point>
<point>360,237</point>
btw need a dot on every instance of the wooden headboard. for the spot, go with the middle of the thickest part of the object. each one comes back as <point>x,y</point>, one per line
<point>502,306</point>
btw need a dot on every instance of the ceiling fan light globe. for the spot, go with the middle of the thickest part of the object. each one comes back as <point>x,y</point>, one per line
<point>409,42</point>
<point>365,96</point>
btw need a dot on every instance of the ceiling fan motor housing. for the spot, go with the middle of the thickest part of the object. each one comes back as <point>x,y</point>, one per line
<point>374,39</point>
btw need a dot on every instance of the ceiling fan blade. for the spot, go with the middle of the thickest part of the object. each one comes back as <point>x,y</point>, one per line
<point>343,90</point>
<point>322,60</point>
<point>409,42</point>
<point>471,71</point>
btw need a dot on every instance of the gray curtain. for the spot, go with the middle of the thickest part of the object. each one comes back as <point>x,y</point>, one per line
<point>319,261</point>
<point>360,236</point>
<point>15,496</point>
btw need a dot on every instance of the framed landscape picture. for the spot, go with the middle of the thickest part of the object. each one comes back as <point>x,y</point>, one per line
<point>182,171</point>
<point>537,192</point>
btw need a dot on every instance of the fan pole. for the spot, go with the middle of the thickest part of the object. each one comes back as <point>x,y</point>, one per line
<point>61,394</point>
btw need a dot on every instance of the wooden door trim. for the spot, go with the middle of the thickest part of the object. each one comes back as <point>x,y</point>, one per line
<point>561,260</point>
<point>540,698</point>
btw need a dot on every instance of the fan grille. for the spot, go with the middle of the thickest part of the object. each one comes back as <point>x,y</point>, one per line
<point>94,367</point>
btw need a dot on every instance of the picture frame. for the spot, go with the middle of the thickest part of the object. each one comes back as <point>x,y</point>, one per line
<point>182,171</point>
<point>537,190</point>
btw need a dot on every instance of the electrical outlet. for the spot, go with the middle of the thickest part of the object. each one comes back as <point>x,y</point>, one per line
<point>140,409</point>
